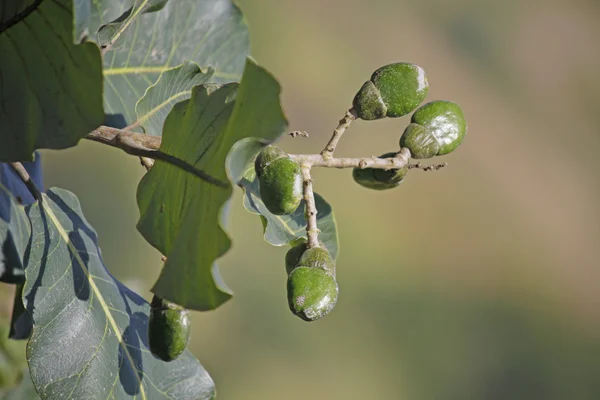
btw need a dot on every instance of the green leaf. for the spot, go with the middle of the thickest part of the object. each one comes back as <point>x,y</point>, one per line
<point>208,32</point>
<point>89,326</point>
<point>15,231</point>
<point>279,229</point>
<point>50,88</point>
<point>181,215</point>
<point>173,86</point>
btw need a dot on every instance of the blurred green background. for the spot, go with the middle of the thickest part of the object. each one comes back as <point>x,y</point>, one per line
<point>479,281</point>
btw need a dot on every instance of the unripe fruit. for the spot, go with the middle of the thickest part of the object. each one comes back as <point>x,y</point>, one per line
<point>312,293</point>
<point>168,329</point>
<point>280,181</point>
<point>292,257</point>
<point>420,141</point>
<point>443,120</point>
<point>393,91</point>
<point>317,257</point>
<point>379,179</point>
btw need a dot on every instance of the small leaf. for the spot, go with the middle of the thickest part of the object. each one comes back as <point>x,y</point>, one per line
<point>90,326</point>
<point>50,88</point>
<point>279,229</point>
<point>173,85</point>
<point>181,215</point>
<point>208,32</point>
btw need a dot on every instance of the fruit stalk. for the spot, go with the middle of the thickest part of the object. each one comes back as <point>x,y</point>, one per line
<point>350,116</point>
<point>318,160</point>
<point>312,231</point>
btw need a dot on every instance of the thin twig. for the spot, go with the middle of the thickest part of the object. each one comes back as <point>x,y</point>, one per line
<point>138,144</point>
<point>350,116</point>
<point>296,134</point>
<point>318,160</point>
<point>24,175</point>
<point>433,167</point>
<point>312,231</point>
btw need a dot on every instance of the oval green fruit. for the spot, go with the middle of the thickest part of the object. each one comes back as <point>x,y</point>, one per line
<point>168,329</point>
<point>280,181</point>
<point>292,257</point>
<point>317,257</point>
<point>312,293</point>
<point>379,179</point>
<point>266,157</point>
<point>446,122</point>
<point>368,103</point>
<point>420,141</point>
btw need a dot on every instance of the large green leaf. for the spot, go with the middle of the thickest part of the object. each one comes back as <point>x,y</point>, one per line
<point>208,32</point>
<point>180,214</point>
<point>90,331</point>
<point>50,88</point>
<point>279,229</point>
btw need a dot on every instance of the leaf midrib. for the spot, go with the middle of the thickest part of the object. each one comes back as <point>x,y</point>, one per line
<point>103,304</point>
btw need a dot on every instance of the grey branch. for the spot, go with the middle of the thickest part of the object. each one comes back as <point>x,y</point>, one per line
<point>338,132</point>
<point>141,145</point>
<point>318,160</point>
<point>312,231</point>
<point>24,175</point>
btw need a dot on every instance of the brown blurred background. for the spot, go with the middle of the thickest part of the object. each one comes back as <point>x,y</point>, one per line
<point>476,282</point>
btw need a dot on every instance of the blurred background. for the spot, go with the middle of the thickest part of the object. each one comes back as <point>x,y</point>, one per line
<point>478,281</point>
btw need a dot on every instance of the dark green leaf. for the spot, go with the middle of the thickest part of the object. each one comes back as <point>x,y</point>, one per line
<point>15,231</point>
<point>20,323</point>
<point>181,215</point>
<point>208,32</point>
<point>279,229</point>
<point>89,326</point>
<point>173,86</point>
<point>50,88</point>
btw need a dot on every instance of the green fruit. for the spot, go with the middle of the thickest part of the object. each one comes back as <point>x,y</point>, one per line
<point>379,179</point>
<point>280,181</point>
<point>420,141</point>
<point>168,329</point>
<point>393,91</point>
<point>317,257</point>
<point>312,293</point>
<point>446,122</point>
<point>266,157</point>
<point>292,257</point>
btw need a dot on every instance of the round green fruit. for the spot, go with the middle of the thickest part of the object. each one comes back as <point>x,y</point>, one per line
<point>280,181</point>
<point>379,179</point>
<point>420,141</point>
<point>445,121</point>
<point>168,329</point>
<point>393,91</point>
<point>317,257</point>
<point>312,293</point>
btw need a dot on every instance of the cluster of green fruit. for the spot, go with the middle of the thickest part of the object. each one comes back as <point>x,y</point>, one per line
<point>395,90</point>
<point>435,129</point>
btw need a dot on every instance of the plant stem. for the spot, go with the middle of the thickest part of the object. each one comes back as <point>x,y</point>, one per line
<point>312,231</point>
<point>350,116</point>
<point>24,175</point>
<point>318,160</point>
<point>142,145</point>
